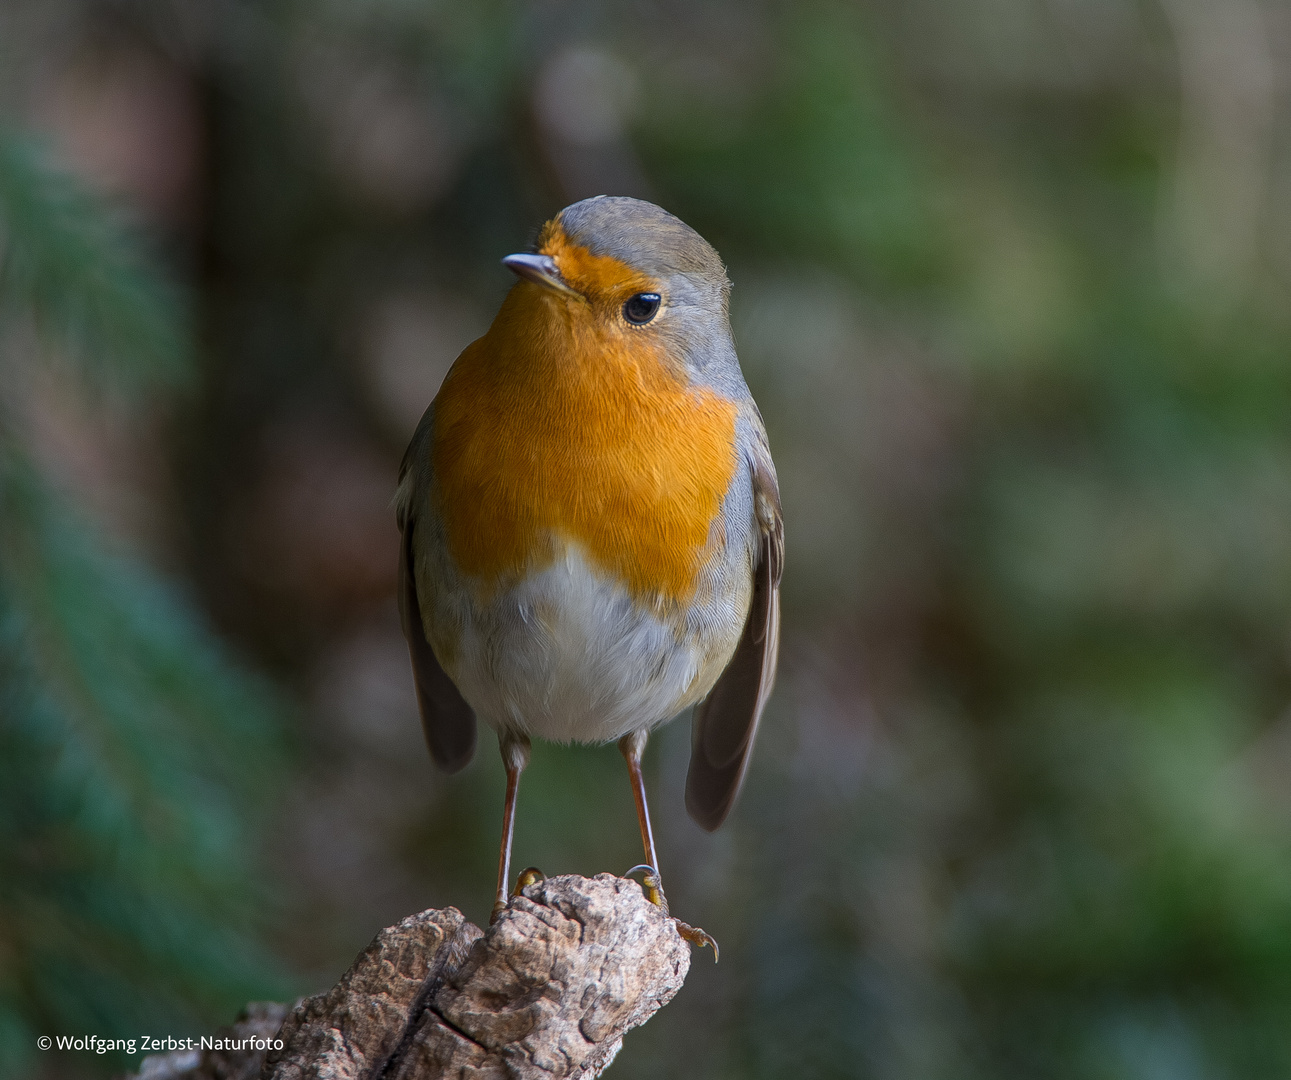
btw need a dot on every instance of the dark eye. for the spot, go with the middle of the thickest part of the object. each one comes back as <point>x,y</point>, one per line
<point>641,308</point>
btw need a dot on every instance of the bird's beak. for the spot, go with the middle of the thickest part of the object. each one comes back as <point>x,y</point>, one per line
<point>541,270</point>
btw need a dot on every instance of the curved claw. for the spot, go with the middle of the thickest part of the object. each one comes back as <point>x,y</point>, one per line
<point>650,885</point>
<point>530,875</point>
<point>653,889</point>
<point>697,937</point>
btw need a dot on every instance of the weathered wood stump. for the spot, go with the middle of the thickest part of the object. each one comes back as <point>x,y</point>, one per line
<point>548,991</point>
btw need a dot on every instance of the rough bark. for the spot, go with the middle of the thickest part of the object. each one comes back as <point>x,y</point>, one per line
<point>547,992</point>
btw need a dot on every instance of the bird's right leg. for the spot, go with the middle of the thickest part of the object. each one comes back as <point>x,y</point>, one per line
<point>515,756</point>
<point>631,746</point>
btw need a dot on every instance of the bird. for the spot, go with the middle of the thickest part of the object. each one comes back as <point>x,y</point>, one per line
<point>591,538</point>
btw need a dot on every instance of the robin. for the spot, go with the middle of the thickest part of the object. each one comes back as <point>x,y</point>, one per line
<point>590,519</point>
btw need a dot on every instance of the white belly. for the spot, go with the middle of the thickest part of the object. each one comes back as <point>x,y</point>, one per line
<point>567,656</point>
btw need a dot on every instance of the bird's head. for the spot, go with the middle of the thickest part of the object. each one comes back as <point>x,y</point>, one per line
<point>630,276</point>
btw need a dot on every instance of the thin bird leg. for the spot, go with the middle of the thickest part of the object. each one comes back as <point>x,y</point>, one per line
<point>632,746</point>
<point>515,756</point>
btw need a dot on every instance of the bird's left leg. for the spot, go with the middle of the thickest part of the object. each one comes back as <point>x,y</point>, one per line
<point>632,746</point>
<point>515,756</point>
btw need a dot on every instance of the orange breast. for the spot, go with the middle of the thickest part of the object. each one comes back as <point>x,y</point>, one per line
<point>556,425</point>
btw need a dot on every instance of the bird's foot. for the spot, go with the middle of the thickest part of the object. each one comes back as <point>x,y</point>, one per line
<point>653,889</point>
<point>698,937</point>
<point>651,885</point>
<point>528,876</point>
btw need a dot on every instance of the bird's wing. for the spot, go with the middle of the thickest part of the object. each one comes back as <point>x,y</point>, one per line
<point>446,719</point>
<point>727,720</point>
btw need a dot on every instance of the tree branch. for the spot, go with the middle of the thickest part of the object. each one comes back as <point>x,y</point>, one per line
<point>546,992</point>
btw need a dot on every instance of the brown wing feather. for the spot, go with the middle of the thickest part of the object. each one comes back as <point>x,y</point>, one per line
<point>446,719</point>
<point>727,721</point>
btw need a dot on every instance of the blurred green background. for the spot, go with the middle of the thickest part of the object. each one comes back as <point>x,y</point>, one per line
<point>1011,284</point>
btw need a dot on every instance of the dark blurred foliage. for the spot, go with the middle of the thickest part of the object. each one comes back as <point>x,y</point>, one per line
<point>1010,287</point>
<point>131,748</point>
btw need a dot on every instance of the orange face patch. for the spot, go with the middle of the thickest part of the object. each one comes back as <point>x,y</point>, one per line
<point>565,422</point>
<point>599,277</point>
